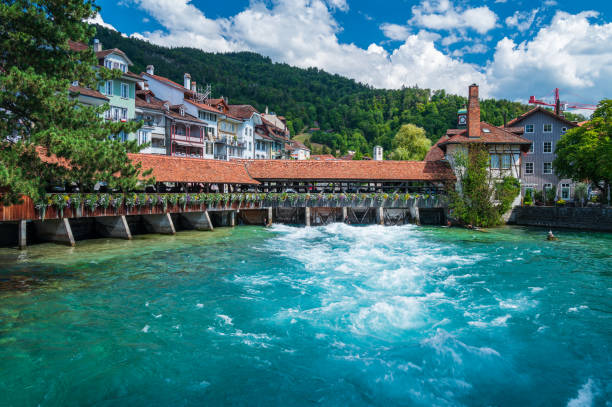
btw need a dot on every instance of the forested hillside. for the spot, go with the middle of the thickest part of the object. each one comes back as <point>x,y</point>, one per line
<point>351,116</point>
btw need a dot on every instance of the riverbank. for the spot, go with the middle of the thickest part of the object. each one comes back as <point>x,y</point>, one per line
<point>334,315</point>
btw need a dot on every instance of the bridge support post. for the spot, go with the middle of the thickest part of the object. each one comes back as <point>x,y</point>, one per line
<point>232,219</point>
<point>114,226</point>
<point>414,213</point>
<point>22,234</point>
<point>344,213</point>
<point>380,215</point>
<point>55,230</point>
<point>160,224</point>
<point>270,214</point>
<point>307,216</point>
<point>197,220</point>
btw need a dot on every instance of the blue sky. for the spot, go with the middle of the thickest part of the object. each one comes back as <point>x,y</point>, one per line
<point>511,48</point>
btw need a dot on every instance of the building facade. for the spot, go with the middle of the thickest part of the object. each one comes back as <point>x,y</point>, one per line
<point>506,146</point>
<point>121,92</point>
<point>544,128</point>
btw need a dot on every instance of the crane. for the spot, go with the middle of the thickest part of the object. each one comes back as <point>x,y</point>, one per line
<point>559,105</point>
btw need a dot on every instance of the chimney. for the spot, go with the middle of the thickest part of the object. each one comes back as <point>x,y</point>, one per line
<point>473,112</point>
<point>378,153</point>
<point>97,46</point>
<point>150,69</point>
<point>266,109</point>
<point>193,86</point>
<point>187,81</point>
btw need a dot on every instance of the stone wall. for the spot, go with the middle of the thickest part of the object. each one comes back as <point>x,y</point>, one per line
<point>599,219</point>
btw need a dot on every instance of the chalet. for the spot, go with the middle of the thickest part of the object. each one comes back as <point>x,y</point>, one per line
<point>246,132</point>
<point>544,128</point>
<point>150,110</point>
<point>506,145</point>
<point>121,92</point>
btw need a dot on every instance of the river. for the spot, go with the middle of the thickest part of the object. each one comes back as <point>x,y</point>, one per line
<point>333,316</point>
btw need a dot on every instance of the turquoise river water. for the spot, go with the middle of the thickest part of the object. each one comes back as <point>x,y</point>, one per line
<point>331,316</point>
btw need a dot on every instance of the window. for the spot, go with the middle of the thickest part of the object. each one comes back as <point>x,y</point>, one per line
<point>565,191</point>
<point>108,64</point>
<point>143,137</point>
<point>529,128</point>
<point>108,90</point>
<point>547,168</point>
<point>494,161</point>
<point>563,130</point>
<point>528,168</point>
<point>547,187</point>
<point>548,128</point>
<point>505,161</point>
<point>209,148</point>
<point>125,90</point>
<point>548,147</point>
<point>530,149</point>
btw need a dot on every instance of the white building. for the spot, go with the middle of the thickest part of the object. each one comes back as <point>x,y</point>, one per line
<point>378,153</point>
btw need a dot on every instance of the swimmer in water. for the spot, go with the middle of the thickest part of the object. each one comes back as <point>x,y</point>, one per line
<point>551,236</point>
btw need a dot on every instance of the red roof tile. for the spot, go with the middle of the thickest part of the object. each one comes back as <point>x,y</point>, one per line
<point>489,134</point>
<point>242,111</point>
<point>88,92</point>
<point>322,157</point>
<point>77,46</point>
<point>349,170</point>
<point>183,169</point>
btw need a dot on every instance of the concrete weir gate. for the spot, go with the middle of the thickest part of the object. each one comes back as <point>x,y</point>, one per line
<point>69,225</point>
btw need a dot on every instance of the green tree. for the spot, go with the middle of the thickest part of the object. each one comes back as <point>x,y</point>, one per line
<point>410,143</point>
<point>37,112</point>
<point>585,153</point>
<point>480,200</point>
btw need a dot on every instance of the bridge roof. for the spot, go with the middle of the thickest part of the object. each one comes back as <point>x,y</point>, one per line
<point>185,169</point>
<point>344,170</point>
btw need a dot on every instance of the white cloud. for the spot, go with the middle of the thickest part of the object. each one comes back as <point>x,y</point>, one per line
<point>443,15</point>
<point>477,48</point>
<point>522,21</point>
<point>98,20</point>
<point>571,53</point>
<point>338,4</point>
<point>395,31</point>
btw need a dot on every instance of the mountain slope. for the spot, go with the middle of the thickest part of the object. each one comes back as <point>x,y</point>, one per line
<point>356,115</point>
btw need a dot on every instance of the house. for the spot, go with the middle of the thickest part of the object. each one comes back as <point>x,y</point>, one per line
<point>87,96</point>
<point>194,106</point>
<point>121,92</point>
<point>505,145</point>
<point>250,119</point>
<point>151,111</point>
<point>297,150</point>
<point>544,128</point>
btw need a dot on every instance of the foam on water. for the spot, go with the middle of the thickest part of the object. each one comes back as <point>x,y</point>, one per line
<point>336,315</point>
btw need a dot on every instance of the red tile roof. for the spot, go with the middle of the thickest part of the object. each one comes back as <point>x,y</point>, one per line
<point>349,170</point>
<point>184,169</point>
<point>203,106</point>
<point>489,134</point>
<point>77,46</point>
<point>543,110</point>
<point>164,79</point>
<point>242,111</point>
<point>105,52</point>
<point>88,92</point>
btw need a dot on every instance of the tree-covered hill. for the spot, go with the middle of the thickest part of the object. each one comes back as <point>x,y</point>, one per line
<point>351,115</point>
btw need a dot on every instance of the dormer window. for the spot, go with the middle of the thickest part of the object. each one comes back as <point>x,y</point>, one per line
<point>182,111</point>
<point>166,106</point>
<point>148,98</point>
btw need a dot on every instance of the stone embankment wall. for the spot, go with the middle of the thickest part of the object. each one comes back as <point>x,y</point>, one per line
<point>599,219</point>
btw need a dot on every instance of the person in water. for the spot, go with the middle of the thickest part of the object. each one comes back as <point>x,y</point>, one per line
<point>551,236</point>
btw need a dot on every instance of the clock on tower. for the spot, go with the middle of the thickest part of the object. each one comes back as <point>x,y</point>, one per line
<point>462,118</point>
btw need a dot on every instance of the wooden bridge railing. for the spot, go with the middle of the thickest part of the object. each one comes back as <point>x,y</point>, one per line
<point>54,206</point>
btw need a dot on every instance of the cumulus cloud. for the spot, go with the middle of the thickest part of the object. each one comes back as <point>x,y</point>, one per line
<point>443,15</point>
<point>522,21</point>
<point>98,20</point>
<point>395,31</point>
<point>571,53</point>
